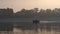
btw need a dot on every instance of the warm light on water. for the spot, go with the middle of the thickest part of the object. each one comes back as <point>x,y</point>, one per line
<point>47,21</point>
<point>33,32</point>
<point>42,28</point>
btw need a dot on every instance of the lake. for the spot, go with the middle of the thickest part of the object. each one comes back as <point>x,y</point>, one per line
<point>44,27</point>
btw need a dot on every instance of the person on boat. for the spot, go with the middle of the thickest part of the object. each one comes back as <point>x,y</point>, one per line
<point>36,21</point>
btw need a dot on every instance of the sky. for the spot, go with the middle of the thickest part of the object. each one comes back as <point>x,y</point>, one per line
<point>29,4</point>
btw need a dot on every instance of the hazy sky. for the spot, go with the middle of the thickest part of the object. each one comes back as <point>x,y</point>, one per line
<point>29,4</point>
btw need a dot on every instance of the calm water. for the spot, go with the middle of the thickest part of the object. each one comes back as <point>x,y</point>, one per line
<point>44,27</point>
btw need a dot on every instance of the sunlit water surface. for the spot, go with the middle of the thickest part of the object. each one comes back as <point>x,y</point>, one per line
<point>43,28</point>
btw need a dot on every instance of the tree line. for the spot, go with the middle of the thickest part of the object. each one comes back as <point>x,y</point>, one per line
<point>39,13</point>
<point>33,13</point>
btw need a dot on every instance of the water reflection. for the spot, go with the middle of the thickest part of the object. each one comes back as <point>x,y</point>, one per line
<point>30,28</point>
